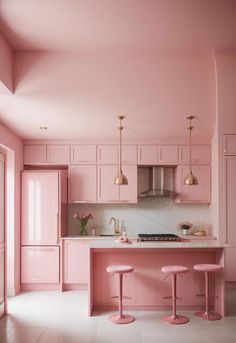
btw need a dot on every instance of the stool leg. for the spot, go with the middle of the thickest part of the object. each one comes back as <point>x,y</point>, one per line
<point>121,318</point>
<point>175,319</point>
<point>207,314</point>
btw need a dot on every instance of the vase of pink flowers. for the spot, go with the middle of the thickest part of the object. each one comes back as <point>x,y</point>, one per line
<point>83,219</point>
<point>185,227</point>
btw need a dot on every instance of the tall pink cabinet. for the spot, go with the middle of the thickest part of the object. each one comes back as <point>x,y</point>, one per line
<point>43,222</point>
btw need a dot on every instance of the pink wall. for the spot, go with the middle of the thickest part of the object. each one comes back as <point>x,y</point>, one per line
<point>6,66</point>
<point>14,148</point>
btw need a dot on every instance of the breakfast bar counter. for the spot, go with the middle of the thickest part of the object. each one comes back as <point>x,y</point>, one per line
<point>145,286</point>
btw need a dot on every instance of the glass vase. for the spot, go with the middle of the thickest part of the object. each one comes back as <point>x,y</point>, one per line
<point>83,224</point>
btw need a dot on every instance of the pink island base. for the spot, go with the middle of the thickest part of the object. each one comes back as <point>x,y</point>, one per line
<point>146,285</point>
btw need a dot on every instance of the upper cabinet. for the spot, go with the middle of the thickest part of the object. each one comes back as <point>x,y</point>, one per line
<point>229,144</point>
<point>201,154</point>
<point>82,183</point>
<point>200,193</point>
<point>52,154</point>
<point>108,154</point>
<point>147,154</point>
<point>129,154</point>
<point>168,154</point>
<point>83,153</point>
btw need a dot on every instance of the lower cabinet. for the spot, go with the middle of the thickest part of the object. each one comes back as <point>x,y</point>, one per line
<point>75,261</point>
<point>40,264</point>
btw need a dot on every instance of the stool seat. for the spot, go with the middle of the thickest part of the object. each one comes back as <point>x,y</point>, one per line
<point>120,318</point>
<point>174,269</point>
<point>119,269</point>
<point>207,267</point>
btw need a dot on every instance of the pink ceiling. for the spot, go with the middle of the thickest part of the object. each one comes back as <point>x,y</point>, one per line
<point>80,63</point>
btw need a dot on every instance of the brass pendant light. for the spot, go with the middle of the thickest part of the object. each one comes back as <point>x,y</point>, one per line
<point>120,179</point>
<point>190,179</point>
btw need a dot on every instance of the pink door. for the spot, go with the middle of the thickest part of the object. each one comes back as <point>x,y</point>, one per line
<point>40,212</point>
<point>128,193</point>
<point>83,153</point>
<point>58,154</point>
<point>167,155</point>
<point>108,154</point>
<point>35,154</point>
<point>40,264</point>
<point>229,144</point>
<point>2,236</point>
<point>75,261</point>
<point>107,190</point>
<point>201,154</point>
<point>147,154</point>
<point>82,183</point>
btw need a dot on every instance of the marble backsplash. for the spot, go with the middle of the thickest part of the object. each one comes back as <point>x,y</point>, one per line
<point>148,216</point>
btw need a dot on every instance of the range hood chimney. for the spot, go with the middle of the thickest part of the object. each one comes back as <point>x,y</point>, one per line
<point>154,190</point>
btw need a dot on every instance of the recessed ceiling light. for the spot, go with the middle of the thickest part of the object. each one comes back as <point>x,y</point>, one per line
<point>43,127</point>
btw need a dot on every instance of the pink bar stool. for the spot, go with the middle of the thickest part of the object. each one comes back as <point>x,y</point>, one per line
<point>174,270</point>
<point>120,318</point>
<point>206,268</point>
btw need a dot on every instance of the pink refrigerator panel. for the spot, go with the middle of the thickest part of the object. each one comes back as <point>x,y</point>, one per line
<point>40,213</point>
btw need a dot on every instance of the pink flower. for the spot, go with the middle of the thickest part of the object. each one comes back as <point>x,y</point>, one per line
<point>82,216</point>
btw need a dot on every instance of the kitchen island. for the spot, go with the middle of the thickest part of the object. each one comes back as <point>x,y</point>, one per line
<point>146,285</point>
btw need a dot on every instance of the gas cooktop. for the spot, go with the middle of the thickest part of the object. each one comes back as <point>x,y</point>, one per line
<point>157,237</point>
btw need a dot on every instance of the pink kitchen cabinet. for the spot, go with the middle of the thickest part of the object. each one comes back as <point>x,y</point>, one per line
<point>129,154</point>
<point>75,261</point>
<point>44,207</point>
<point>39,265</point>
<point>107,154</point>
<point>201,154</point>
<point>58,154</point>
<point>110,192</point>
<point>200,193</point>
<point>229,145</point>
<point>82,183</point>
<point>167,154</point>
<point>2,274</point>
<point>84,153</point>
<point>35,154</point>
<point>230,216</point>
<point>147,155</point>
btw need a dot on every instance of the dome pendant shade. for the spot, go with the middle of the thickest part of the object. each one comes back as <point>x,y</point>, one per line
<point>190,180</point>
<point>121,179</point>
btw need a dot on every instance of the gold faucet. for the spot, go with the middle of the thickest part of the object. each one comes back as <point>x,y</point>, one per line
<point>116,226</point>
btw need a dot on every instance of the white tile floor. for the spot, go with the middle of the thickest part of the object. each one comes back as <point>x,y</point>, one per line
<point>54,317</point>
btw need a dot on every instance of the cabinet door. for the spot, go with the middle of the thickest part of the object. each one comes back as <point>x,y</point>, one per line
<point>201,154</point>
<point>40,214</point>
<point>200,193</point>
<point>167,155</point>
<point>129,154</point>
<point>35,154</point>
<point>229,142</point>
<point>147,154</point>
<point>2,276</point>
<point>107,190</point>
<point>58,154</point>
<point>82,183</point>
<point>230,220</point>
<point>128,193</point>
<point>108,154</point>
<point>84,153</point>
<point>75,262</point>
<point>40,264</point>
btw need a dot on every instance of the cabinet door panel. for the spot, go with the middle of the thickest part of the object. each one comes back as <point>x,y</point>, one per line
<point>167,155</point>
<point>40,214</point>
<point>129,154</point>
<point>82,183</point>
<point>58,154</point>
<point>35,154</point>
<point>201,154</point>
<point>128,193</point>
<point>147,154</point>
<point>40,264</point>
<point>75,262</point>
<point>107,190</point>
<point>200,193</point>
<point>229,144</point>
<point>2,274</point>
<point>84,153</point>
<point>108,154</point>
